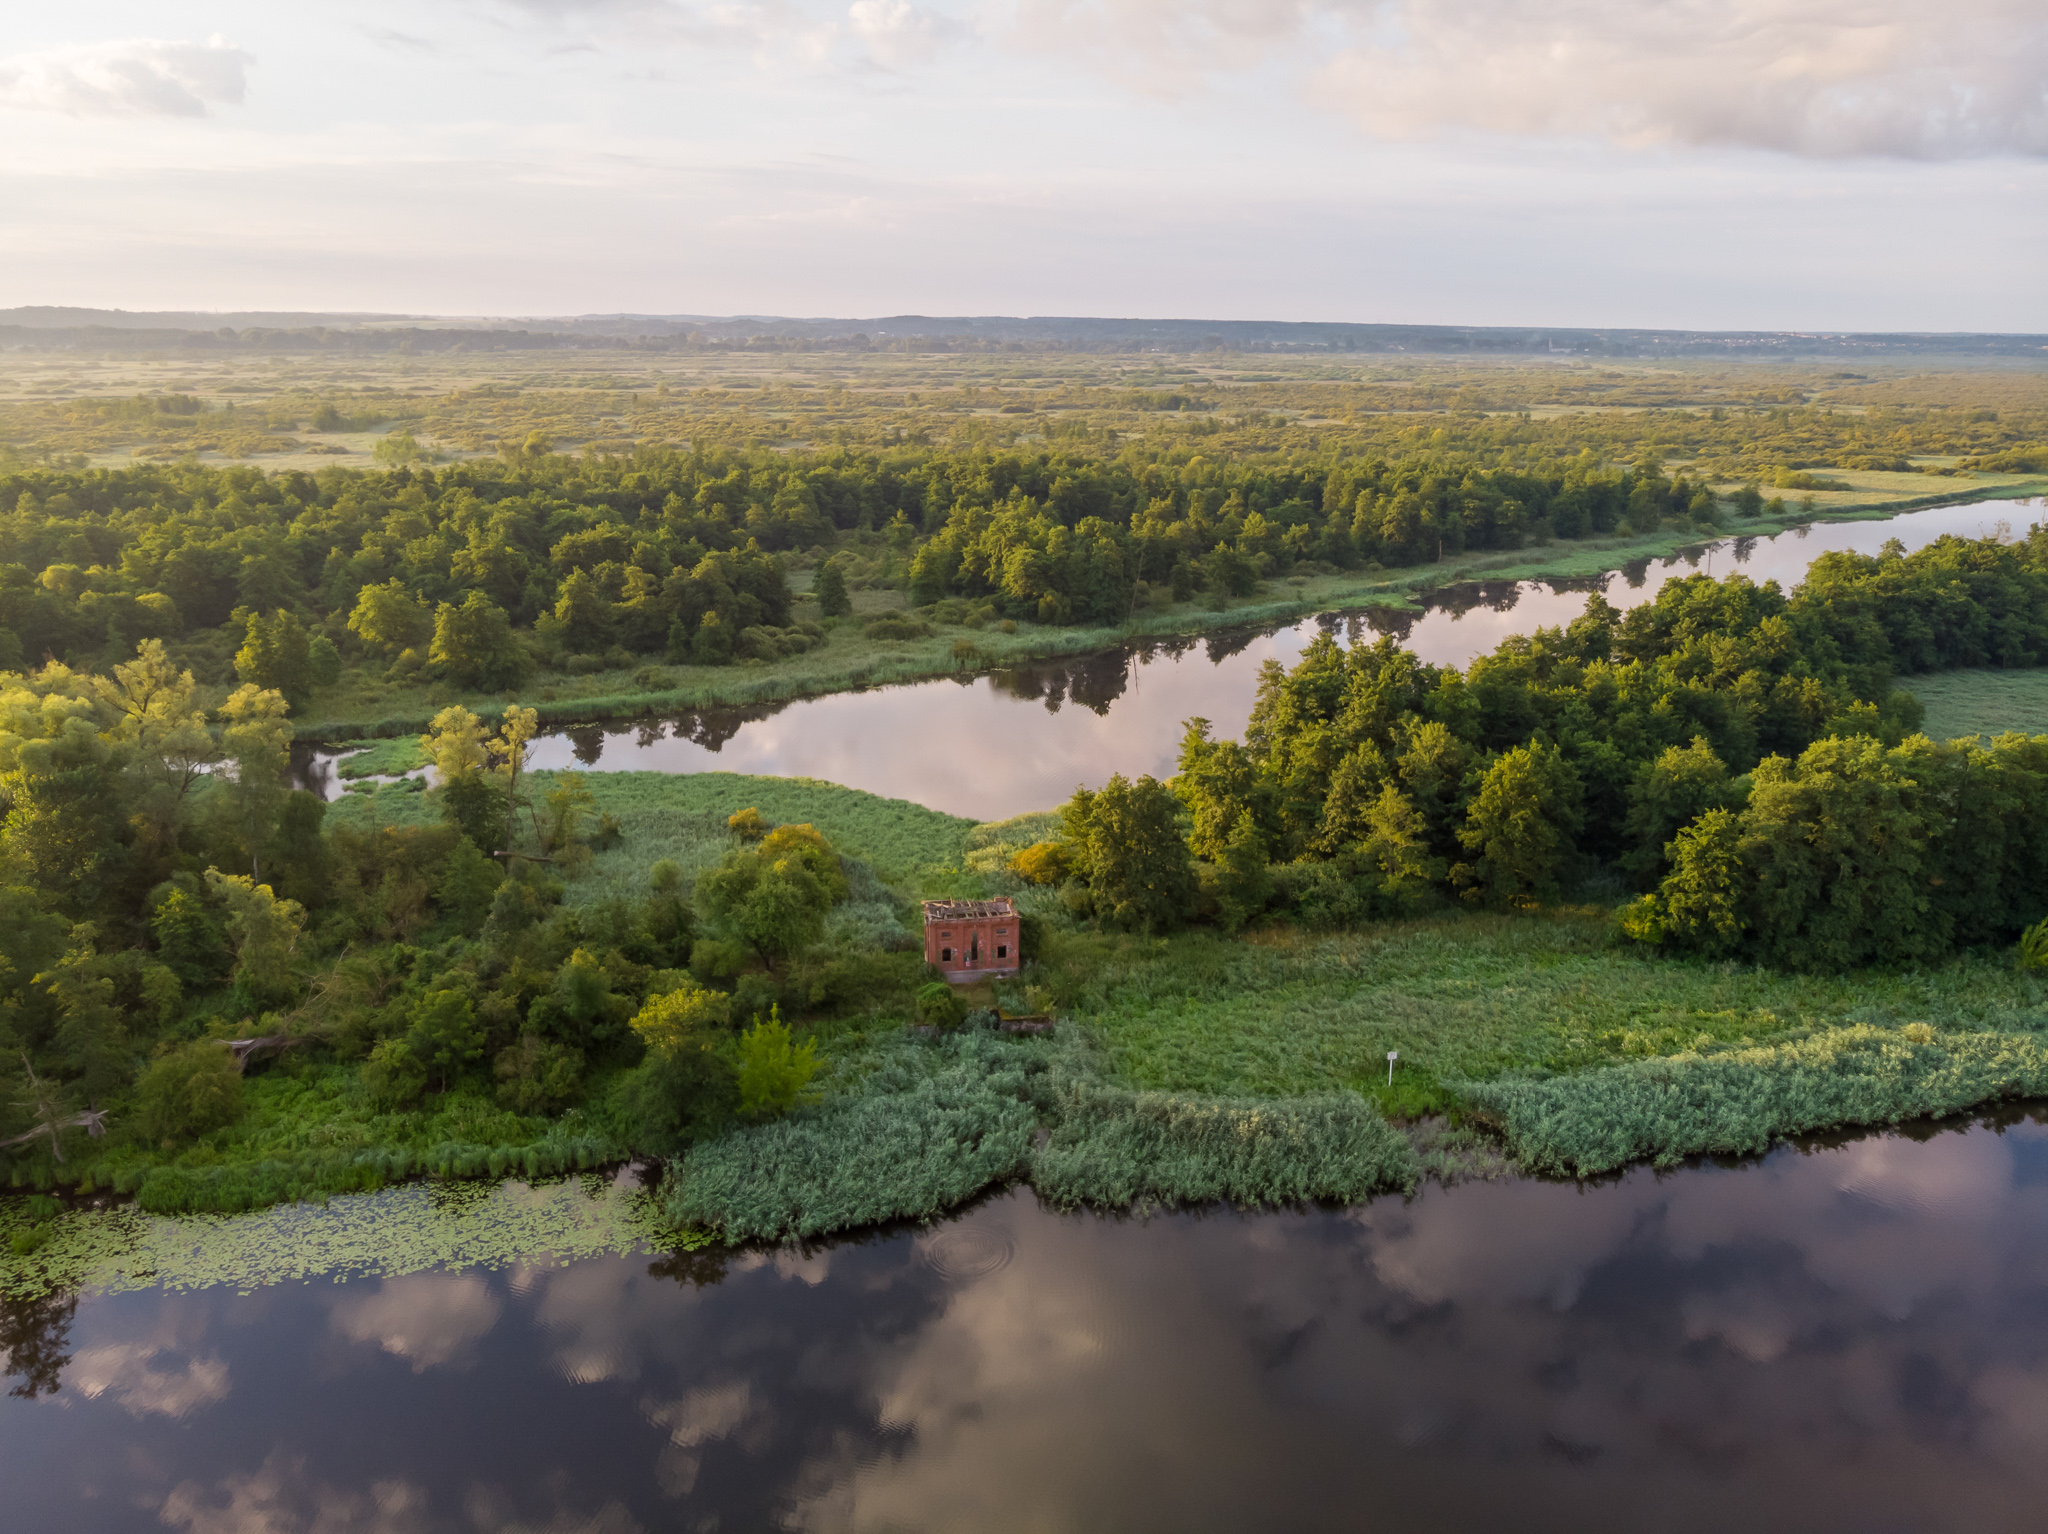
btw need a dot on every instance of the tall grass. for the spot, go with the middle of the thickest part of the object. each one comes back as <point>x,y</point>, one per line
<point>1114,1147</point>
<point>924,1127</point>
<point>1465,996</point>
<point>1738,1101</point>
<point>927,1130</point>
<point>1982,702</point>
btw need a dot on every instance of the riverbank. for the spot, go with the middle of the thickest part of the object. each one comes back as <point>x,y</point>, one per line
<point>1184,1069</point>
<point>365,706</point>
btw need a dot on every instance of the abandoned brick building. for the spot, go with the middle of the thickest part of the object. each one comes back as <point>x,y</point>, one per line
<point>970,940</point>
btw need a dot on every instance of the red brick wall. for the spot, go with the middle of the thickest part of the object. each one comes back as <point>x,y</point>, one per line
<point>960,936</point>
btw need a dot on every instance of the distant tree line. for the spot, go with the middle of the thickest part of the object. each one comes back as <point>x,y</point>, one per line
<point>481,569</point>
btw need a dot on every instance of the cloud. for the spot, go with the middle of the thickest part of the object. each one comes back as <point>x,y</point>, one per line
<point>896,33</point>
<point>1807,77</point>
<point>135,77</point>
<point>430,1319</point>
<point>279,1499</point>
<point>131,1373</point>
<point>1825,78</point>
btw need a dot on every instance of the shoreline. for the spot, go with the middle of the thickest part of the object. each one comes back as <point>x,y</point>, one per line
<point>752,686</point>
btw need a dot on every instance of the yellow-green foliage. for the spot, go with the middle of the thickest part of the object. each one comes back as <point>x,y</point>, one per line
<point>1737,1101</point>
<point>1041,863</point>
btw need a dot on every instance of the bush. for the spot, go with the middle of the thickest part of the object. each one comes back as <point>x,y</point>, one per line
<point>773,1073</point>
<point>896,626</point>
<point>393,1074</point>
<point>537,1075</point>
<point>2033,949</point>
<point>192,1091</point>
<point>938,1006</point>
<point>1042,863</point>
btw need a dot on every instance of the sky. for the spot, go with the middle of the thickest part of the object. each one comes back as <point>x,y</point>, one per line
<point>1769,164</point>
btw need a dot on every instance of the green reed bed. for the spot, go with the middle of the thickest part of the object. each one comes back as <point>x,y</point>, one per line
<point>921,1127</point>
<point>1737,1102</point>
<point>928,1129</point>
<point>1115,1148</point>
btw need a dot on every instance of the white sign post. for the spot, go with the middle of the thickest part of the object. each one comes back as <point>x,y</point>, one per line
<point>1392,1056</point>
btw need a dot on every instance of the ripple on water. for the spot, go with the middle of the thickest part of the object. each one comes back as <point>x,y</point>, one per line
<point>963,1252</point>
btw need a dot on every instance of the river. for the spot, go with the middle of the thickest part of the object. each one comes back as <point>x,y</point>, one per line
<point>1844,1335</point>
<point>993,746</point>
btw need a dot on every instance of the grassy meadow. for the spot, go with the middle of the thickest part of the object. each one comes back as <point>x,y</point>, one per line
<point>1982,702</point>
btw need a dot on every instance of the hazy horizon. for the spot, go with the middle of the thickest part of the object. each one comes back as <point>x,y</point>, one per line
<point>1779,165</point>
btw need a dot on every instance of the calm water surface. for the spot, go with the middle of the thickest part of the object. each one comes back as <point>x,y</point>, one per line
<point>1843,1337</point>
<point>989,747</point>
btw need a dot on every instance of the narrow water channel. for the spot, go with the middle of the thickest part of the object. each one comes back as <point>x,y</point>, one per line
<point>1847,1335</point>
<point>993,746</point>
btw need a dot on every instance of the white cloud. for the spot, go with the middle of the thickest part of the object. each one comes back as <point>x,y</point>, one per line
<point>429,1318</point>
<point>134,77</point>
<point>278,1499</point>
<point>131,1373</point>
<point>897,33</point>
<point>1809,77</point>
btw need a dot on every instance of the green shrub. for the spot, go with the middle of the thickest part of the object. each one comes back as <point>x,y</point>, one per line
<point>938,1006</point>
<point>896,626</point>
<point>2033,949</point>
<point>773,1072</point>
<point>189,1092</point>
<point>538,1075</point>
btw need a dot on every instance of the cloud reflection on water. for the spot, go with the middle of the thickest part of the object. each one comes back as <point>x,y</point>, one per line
<point>1846,1335</point>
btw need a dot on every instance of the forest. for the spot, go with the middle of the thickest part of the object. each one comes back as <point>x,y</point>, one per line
<point>227,992</point>
<point>1704,835</point>
<point>481,574</point>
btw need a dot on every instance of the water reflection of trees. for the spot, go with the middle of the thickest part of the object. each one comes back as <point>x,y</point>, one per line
<point>35,1334</point>
<point>710,728</point>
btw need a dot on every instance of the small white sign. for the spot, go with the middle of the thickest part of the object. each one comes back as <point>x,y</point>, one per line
<point>1392,1056</point>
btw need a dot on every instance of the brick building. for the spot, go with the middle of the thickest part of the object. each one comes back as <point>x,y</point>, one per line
<point>969,940</point>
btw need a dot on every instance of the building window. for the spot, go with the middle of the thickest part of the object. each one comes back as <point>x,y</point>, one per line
<point>945,956</point>
<point>1002,950</point>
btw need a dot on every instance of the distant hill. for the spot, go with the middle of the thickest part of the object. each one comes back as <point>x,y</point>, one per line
<point>124,331</point>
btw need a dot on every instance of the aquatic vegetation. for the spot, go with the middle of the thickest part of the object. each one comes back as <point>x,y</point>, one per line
<point>382,758</point>
<point>1737,1101</point>
<point>927,1129</point>
<point>401,1230</point>
<point>1118,1148</point>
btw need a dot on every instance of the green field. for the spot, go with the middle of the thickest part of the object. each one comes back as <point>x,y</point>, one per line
<point>682,816</point>
<point>1464,996</point>
<point>1981,702</point>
